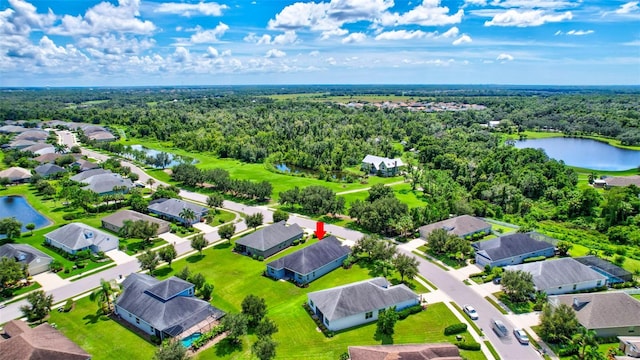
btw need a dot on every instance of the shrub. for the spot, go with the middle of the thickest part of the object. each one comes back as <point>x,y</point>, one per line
<point>402,314</point>
<point>68,305</point>
<point>155,340</point>
<point>568,351</point>
<point>455,329</point>
<point>67,270</point>
<point>534,258</point>
<point>471,345</point>
<point>254,257</point>
<point>261,258</point>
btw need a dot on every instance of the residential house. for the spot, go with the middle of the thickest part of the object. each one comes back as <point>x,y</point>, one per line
<point>311,262</point>
<point>115,221</point>
<point>40,149</point>
<point>172,209</point>
<point>80,177</point>
<point>76,237</point>
<point>36,261</point>
<point>561,276</point>
<point>615,274</point>
<point>47,158</point>
<point>12,129</point>
<point>382,166</point>
<point>630,345</point>
<point>33,135</point>
<point>166,308</point>
<point>20,144</point>
<point>84,165</point>
<point>359,303</point>
<point>441,351</point>
<point>622,181</point>
<point>48,170</point>
<point>269,239</point>
<point>22,342</point>
<point>103,182</point>
<point>606,313</point>
<point>16,174</point>
<point>460,226</point>
<point>512,249</point>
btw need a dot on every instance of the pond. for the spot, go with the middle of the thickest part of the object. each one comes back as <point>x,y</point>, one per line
<point>174,159</point>
<point>585,153</point>
<point>18,207</point>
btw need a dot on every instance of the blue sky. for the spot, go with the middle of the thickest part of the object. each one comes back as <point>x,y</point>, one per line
<point>137,42</point>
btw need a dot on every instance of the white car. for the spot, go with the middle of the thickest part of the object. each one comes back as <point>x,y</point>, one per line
<point>521,336</point>
<point>471,312</point>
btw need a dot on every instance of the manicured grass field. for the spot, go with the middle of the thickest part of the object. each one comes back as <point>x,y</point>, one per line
<point>637,296</point>
<point>98,335</point>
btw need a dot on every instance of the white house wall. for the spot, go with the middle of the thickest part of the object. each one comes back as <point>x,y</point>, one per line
<point>568,288</point>
<point>131,318</point>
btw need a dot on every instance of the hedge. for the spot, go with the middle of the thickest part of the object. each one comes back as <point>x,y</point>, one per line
<point>471,345</point>
<point>402,314</point>
<point>455,329</point>
<point>534,258</point>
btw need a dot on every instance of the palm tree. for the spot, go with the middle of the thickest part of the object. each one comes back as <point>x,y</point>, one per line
<point>104,295</point>
<point>150,182</point>
<point>60,148</point>
<point>188,215</point>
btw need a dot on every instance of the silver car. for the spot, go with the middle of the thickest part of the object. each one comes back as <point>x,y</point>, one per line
<point>521,336</point>
<point>471,312</point>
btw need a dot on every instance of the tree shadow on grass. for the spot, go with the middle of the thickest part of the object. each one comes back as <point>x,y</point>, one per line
<point>227,346</point>
<point>162,272</point>
<point>94,318</point>
<point>195,258</point>
<point>224,245</point>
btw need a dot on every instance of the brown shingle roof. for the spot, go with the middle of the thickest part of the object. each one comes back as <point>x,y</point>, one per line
<point>623,180</point>
<point>41,342</point>
<point>442,351</point>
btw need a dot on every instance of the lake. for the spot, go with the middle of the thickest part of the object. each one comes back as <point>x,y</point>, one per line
<point>175,159</point>
<point>585,153</point>
<point>18,207</point>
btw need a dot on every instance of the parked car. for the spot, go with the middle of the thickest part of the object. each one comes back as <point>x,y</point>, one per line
<point>497,280</point>
<point>471,312</point>
<point>521,336</point>
<point>499,327</point>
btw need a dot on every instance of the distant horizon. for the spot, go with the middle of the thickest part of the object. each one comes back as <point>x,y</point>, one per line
<point>115,43</point>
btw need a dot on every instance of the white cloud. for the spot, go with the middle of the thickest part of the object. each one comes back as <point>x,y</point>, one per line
<point>181,55</point>
<point>580,32</point>
<point>182,9</point>
<point>451,33</point>
<point>112,45</point>
<point>475,2</point>
<point>401,35</point>
<point>526,18</point>
<point>354,38</point>
<point>429,13</point>
<point>504,57</point>
<point>275,53</point>
<point>536,4</point>
<point>462,40</point>
<point>212,52</point>
<point>314,53</point>
<point>628,8</point>
<point>104,18</point>
<point>209,36</point>
<point>289,37</point>
<point>334,32</point>
<point>22,17</point>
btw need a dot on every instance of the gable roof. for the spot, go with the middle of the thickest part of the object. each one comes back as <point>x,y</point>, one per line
<point>32,135</point>
<point>356,298</point>
<point>85,165</point>
<point>25,254</point>
<point>442,351</point>
<point>459,225</point>
<point>15,173</point>
<point>39,147</point>
<point>554,273</point>
<point>101,135</point>
<point>121,216</point>
<point>104,183</point>
<point>312,257</point>
<point>40,342</point>
<point>20,143</point>
<point>270,236</point>
<point>623,180</point>
<point>12,129</point>
<point>172,316</point>
<point>377,160</point>
<point>174,207</point>
<point>48,169</point>
<point>48,157</point>
<point>87,174</point>
<point>77,236</point>
<point>595,310</point>
<point>510,245</point>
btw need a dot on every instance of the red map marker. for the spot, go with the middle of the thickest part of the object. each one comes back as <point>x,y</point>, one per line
<point>320,230</point>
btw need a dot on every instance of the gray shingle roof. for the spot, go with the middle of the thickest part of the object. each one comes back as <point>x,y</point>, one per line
<point>48,169</point>
<point>121,216</point>
<point>104,183</point>
<point>78,236</point>
<point>510,245</point>
<point>271,236</point>
<point>25,254</point>
<point>169,288</point>
<point>172,316</point>
<point>89,173</point>
<point>174,207</point>
<point>307,260</point>
<point>554,273</point>
<point>32,135</point>
<point>356,298</point>
<point>596,310</point>
<point>376,160</point>
<point>459,225</point>
<point>15,173</point>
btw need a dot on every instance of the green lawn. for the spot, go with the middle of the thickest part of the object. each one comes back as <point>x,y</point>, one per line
<point>517,308</point>
<point>637,296</point>
<point>221,217</point>
<point>99,336</point>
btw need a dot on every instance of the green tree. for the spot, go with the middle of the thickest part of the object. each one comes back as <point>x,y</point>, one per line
<point>235,325</point>
<point>149,261</point>
<point>406,265</point>
<point>39,305</point>
<point>437,240</point>
<point>517,285</point>
<point>379,191</point>
<point>226,231</point>
<point>280,215</point>
<point>198,280</point>
<point>583,340</point>
<point>184,274</point>
<point>557,324</point>
<point>168,254</point>
<point>171,350</point>
<point>10,227</point>
<point>104,295</point>
<point>266,327</point>
<point>30,227</point>
<point>387,319</point>
<point>188,216</point>
<point>404,225</point>
<point>264,348</point>
<point>564,247</point>
<point>198,242</point>
<point>254,308</point>
<point>206,291</point>
<point>11,271</point>
<point>254,220</point>
<point>215,201</point>
<point>366,244</point>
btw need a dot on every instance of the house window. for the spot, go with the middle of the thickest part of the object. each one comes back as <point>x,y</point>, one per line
<point>326,321</point>
<point>598,283</point>
<point>368,315</point>
<point>271,270</point>
<point>129,315</point>
<point>137,321</point>
<point>380,311</point>
<point>311,302</point>
<point>575,286</point>
<point>314,274</point>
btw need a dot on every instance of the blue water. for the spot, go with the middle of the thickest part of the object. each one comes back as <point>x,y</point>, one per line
<point>18,207</point>
<point>175,160</point>
<point>186,342</point>
<point>585,153</point>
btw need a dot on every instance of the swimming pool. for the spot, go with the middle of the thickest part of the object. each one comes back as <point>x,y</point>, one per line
<point>186,342</point>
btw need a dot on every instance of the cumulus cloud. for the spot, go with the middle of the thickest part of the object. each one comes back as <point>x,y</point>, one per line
<point>462,40</point>
<point>181,55</point>
<point>401,35</point>
<point>354,38</point>
<point>628,8</point>
<point>536,4</point>
<point>22,17</point>
<point>475,2</point>
<point>526,18</point>
<point>451,33</point>
<point>110,44</point>
<point>288,37</point>
<point>275,53</point>
<point>429,13</point>
<point>209,36</point>
<point>504,57</point>
<point>333,32</point>
<point>187,10</point>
